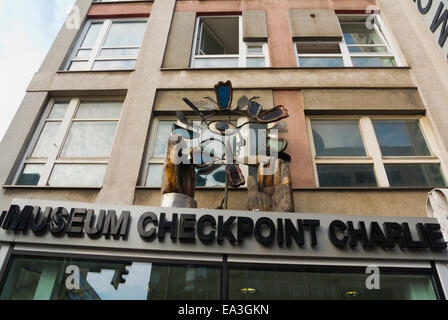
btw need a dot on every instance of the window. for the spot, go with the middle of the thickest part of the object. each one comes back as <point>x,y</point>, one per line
<point>363,45</point>
<point>157,144</point>
<point>371,151</point>
<point>255,283</point>
<point>156,152</point>
<point>108,45</point>
<point>71,146</point>
<point>219,44</point>
<point>35,278</point>
<point>42,278</point>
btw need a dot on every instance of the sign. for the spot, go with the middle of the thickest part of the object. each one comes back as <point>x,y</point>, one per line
<point>435,16</point>
<point>217,231</point>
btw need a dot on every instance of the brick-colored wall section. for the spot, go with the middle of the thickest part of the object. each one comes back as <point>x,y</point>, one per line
<point>298,147</point>
<point>236,5</point>
<point>281,51</point>
<point>118,10</point>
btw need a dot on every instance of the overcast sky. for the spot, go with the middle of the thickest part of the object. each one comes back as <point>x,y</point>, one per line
<point>27,30</point>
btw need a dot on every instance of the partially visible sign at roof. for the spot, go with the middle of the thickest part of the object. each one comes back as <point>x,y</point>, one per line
<point>435,17</point>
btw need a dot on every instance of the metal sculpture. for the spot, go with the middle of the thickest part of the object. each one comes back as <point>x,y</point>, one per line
<point>271,191</point>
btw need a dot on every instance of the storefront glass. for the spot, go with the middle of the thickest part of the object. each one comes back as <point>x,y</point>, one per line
<point>35,278</point>
<point>259,284</point>
<point>46,279</point>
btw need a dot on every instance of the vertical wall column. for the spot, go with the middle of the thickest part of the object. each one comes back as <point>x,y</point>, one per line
<point>298,147</point>
<point>129,146</point>
<point>281,50</point>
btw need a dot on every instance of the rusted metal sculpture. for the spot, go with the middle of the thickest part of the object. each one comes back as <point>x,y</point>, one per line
<point>271,191</point>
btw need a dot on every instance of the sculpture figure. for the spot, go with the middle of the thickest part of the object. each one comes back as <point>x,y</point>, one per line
<point>270,191</point>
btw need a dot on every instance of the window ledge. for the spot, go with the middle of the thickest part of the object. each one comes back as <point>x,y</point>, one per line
<point>362,189</point>
<point>50,187</point>
<point>197,188</point>
<point>287,68</point>
<point>358,189</point>
<point>93,71</point>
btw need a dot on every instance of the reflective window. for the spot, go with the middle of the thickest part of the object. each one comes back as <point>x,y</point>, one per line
<point>364,44</point>
<point>346,175</point>
<point>400,138</point>
<point>157,147</point>
<point>108,45</point>
<point>337,138</point>
<point>268,284</point>
<point>370,152</point>
<point>415,175</point>
<point>38,278</point>
<point>45,279</point>
<point>73,146</point>
<point>219,44</point>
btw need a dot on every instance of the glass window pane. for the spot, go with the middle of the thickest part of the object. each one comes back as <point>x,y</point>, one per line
<point>215,179</point>
<point>216,63</point>
<point>268,284</point>
<point>209,44</point>
<point>356,49</point>
<point>84,53</point>
<point>154,176</point>
<point>352,175</point>
<point>38,278</point>
<point>169,282</point>
<point>119,52</point>
<point>78,66</point>
<point>255,49</point>
<point>125,34</point>
<point>359,34</point>
<point>163,134</point>
<point>318,47</point>
<point>99,110</point>
<point>82,175</point>
<point>46,140</point>
<point>92,35</point>
<point>89,140</point>
<point>374,62</point>
<point>58,111</point>
<point>400,138</point>
<point>415,175</point>
<point>321,62</point>
<point>337,138</point>
<point>255,62</point>
<point>114,65</point>
<point>30,175</point>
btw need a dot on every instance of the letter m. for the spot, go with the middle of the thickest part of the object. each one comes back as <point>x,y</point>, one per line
<point>438,19</point>
<point>114,228</point>
<point>16,219</point>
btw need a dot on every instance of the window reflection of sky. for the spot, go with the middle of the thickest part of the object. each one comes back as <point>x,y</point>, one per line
<point>135,288</point>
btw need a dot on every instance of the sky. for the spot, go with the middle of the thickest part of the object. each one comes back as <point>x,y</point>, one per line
<point>27,31</point>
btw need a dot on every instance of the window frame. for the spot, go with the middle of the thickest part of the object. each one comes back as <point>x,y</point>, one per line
<point>345,54</point>
<point>98,45</point>
<point>373,151</point>
<point>243,54</point>
<point>54,155</point>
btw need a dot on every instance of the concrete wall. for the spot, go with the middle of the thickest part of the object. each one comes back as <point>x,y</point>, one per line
<point>154,86</point>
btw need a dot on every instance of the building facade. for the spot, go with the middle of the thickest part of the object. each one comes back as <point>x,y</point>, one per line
<point>365,85</point>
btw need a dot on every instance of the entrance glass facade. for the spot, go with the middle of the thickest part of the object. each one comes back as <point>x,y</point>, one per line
<point>39,278</point>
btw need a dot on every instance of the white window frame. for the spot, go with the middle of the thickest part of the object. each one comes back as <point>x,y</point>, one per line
<point>372,148</point>
<point>243,51</point>
<point>98,46</point>
<point>61,137</point>
<point>347,56</point>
